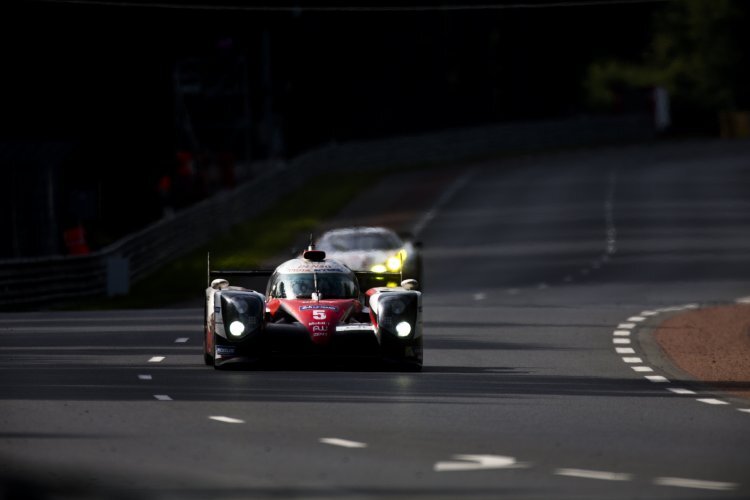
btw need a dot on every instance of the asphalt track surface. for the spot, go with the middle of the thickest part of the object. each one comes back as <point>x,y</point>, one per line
<point>532,265</point>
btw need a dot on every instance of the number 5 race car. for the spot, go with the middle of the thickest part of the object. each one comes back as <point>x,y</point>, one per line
<point>317,308</point>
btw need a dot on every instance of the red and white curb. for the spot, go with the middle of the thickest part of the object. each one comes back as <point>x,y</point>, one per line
<point>625,348</point>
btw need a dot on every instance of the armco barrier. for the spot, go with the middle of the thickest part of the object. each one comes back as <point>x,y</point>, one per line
<point>37,283</point>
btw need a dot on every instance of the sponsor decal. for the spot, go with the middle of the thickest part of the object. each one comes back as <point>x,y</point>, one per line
<point>224,350</point>
<point>217,309</point>
<point>353,328</point>
<point>319,306</point>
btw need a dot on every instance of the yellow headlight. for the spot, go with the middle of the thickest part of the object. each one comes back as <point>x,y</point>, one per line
<point>378,268</point>
<point>393,263</point>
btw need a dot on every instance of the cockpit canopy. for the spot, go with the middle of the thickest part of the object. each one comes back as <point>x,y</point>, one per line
<point>330,285</point>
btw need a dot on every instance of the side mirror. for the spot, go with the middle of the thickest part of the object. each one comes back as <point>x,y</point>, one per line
<point>410,284</point>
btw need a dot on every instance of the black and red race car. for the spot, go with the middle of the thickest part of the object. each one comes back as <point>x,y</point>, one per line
<point>313,307</point>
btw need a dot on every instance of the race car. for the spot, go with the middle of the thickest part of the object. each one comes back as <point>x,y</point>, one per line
<point>314,308</point>
<point>373,248</point>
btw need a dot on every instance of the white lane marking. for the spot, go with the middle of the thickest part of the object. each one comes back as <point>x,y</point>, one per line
<point>642,368</point>
<point>162,397</point>
<point>157,359</point>
<point>621,333</point>
<point>712,401</point>
<point>694,483</point>
<point>745,410</point>
<point>620,341</point>
<point>181,340</point>
<point>657,379</point>
<point>480,296</point>
<point>649,313</point>
<point>444,198</point>
<point>226,420</point>
<point>743,300</point>
<point>679,390</point>
<point>632,360</point>
<point>594,474</point>
<point>624,350</point>
<point>636,319</point>
<point>626,326</point>
<point>478,462</point>
<point>144,377</point>
<point>343,442</point>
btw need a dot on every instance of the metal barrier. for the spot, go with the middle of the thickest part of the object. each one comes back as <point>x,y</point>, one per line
<point>37,283</point>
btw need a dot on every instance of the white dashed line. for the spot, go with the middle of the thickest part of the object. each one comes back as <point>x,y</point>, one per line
<point>144,377</point>
<point>181,340</point>
<point>343,442</point>
<point>480,296</point>
<point>620,341</point>
<point>624,350</point>
<point>162,397</point>
<point>632,360</point>
<point>679,390</point>
<point>157,359</point>
<point>649,313</point>
<point>745,410</point>
<point>658,379</point>
<point>643,369</point>
<point>478,462</point>
<point>227,420</point>
<point>694,483</point>
<point>636,319</point>
<point>712,401</point>
<point>626,326</point>
<point>593,474</point>
<point>622,333</point>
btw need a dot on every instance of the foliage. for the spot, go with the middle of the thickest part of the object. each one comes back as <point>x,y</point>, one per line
<point>694,54</point>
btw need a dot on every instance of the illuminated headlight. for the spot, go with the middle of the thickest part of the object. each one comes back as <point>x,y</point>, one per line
<point>403,329</point>
<point>236,328</point>
<point>393,263</point>
<point>378,268</point>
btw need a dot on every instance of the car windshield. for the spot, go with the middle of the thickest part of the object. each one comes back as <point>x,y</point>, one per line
<point>302,285</point>
<point>359,241</point>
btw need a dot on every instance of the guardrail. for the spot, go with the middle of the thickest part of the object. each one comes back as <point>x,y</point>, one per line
<point>37,283</point>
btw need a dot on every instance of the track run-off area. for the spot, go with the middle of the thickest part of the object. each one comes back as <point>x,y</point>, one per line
<point>545,276</point>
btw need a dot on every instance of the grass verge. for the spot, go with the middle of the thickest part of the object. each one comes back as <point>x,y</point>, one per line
<point>244,246</point>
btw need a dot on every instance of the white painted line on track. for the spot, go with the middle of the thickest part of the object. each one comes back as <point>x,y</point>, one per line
<point>624,350</point>
<point>620,341</point>
<point>743,300</point>
<point>480,296</point>
<point>649,313</point>
<point>632,360</point>
<point>745,410</point>
<point>343,442</point>
<point>636,319</point>
<point>144,377</point>
<point>181,340</point>
<point>157,359</point>
<point>679,390</point>
<point>478,462</point>
<point>712,401</point>
<point>657,379</point>
<point>626,326</point>
<point>694,483</point>
<point>226,420</point>
<point>594,474</point>
<point>622,333</point>
<point>162,397</point>
<point>643,369</point>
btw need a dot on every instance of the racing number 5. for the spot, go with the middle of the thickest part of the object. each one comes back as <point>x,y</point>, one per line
<point>319,314</point>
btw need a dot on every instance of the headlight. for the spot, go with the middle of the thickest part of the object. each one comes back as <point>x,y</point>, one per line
<point>403,329</point>
<point>236,328</point>
<point>379,268</point>
<point>393,263</point>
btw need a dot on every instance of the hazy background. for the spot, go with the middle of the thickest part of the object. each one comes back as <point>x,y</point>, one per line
<point>104,103</point>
